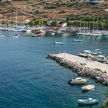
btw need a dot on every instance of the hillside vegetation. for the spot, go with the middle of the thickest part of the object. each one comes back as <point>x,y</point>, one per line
<point>51,9</point>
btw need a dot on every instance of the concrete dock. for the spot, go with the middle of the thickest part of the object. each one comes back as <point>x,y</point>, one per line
<point>83,66</point>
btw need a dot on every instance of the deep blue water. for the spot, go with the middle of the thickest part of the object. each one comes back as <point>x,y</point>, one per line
<point>29,80</point>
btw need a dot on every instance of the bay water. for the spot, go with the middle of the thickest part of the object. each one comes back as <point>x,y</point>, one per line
<point>29,80</point>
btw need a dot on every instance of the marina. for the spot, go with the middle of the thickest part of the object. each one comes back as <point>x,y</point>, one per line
<point>53,53</point>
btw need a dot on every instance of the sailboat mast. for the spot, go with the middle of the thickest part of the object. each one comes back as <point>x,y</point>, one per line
<point>16,18</point>
<point>97,24</point>
<point>89,27</point>
<point>93,23</point>
<point>23,19</point>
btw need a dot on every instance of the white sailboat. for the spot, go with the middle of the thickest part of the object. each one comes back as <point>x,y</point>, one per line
<point>90,32</point>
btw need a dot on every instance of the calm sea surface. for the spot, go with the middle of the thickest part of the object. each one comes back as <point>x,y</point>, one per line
<point>29,80</point>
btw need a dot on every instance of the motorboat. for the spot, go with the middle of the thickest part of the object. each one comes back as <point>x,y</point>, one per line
<point>84,55</point>
<point>58,43</point>
<point>86,51</point>
<point>96,52</point>
<point>16,36</point>
<point>88,101</point>
<point>78,81</point>
<point>77,40</point>
<point>35,35</point>
<point>53,33</point>
<point>88,87</point>
<point>42,32</point>
<point>101,58</point>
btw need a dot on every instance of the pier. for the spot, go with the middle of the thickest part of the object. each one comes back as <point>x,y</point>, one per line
<point>83,66</point>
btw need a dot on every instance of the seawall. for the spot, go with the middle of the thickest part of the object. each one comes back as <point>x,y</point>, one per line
<point>83,66</point>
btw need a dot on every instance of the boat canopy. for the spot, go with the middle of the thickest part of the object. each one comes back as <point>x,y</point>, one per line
<point>101,56</point>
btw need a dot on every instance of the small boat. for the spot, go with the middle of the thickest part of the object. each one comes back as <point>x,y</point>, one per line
<point>96,52</point>
<point>35,35</point>
<point>101,58</point>
<point>83,55</point>
<point>86,51</point>
<point>58,43</point>
<point>88,87</point>
<point>88,101</point>
<point>42,32</point>
<point>16,36</point>
<point>78,81</point>
<point>53,33</point>
<point>77,40</point>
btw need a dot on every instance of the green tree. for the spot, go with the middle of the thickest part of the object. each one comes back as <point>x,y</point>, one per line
<point>55,23</point>
<point>31,23</point>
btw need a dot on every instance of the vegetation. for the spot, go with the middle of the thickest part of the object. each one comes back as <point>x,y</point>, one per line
<point>91,22</point>
<point>76,12</point>
<point>36,22</point>
<point>105,105</point>
<point>55,23</point>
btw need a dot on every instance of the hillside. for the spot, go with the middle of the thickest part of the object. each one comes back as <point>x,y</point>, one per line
<point>51,9</point>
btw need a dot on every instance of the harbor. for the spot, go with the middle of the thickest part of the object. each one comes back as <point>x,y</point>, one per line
<point>37,76</point>
<point>53,53</point>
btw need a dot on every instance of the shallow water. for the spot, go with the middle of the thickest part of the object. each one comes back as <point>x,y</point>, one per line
<point>29,80</point>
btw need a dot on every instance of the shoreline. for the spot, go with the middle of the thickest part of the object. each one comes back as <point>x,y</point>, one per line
<point>83,66</point>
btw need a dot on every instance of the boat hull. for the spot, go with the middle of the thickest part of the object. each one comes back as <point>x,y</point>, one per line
<point>87,101</point>
<point>77,82</point>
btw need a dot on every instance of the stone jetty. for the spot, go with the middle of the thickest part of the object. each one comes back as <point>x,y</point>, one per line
<point>83,66</point>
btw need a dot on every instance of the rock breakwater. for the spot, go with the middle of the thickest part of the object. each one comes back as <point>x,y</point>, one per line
<point>83,66</point>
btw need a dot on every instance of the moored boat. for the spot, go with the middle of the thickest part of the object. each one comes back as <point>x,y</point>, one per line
<point>88,87</point>
<point>84,55</point>
<point>16,36</point>
<point>78,81</point>
<point>88,101</point>
<point>77,40</point>
<point>58,43</point>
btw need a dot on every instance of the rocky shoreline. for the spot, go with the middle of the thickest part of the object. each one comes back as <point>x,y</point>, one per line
<point>82,67</point>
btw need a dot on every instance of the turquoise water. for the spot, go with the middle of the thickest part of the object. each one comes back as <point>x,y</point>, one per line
<point>29,80</point>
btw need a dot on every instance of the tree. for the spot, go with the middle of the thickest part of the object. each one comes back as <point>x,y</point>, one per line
<point>31,23</point>
<point>55,23</point>
<point>12,22</point>
<point>4,22</point>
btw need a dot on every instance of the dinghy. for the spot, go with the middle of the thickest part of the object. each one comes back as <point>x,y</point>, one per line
<point>88,87</point>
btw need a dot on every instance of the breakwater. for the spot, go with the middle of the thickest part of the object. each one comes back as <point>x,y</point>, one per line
<point>83,66</point>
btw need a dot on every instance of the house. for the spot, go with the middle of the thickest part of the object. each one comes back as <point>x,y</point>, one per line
<point>64,25</point>
<point>49,23</point>
<point>26,21</point>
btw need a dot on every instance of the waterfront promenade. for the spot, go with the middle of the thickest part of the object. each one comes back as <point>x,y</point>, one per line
<point>83,66</point>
